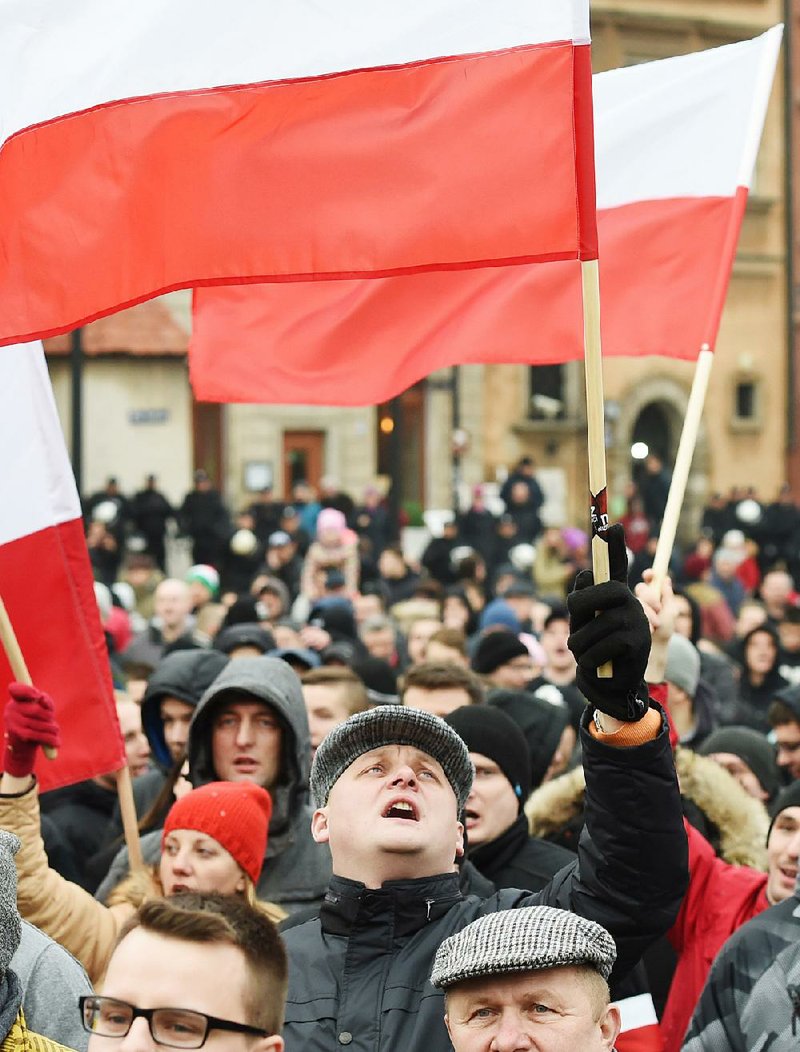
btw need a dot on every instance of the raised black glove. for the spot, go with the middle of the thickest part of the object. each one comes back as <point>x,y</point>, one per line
<point>607,623</point>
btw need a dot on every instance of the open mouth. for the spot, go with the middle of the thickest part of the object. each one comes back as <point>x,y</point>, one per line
<point>401,809</point>
<point>244,763</point>
<point>471,817</point>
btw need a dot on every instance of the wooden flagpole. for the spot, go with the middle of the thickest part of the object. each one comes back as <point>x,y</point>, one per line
<point>595,418</point>
<point>683,462</point>
<point>19,669</point>
<point>130,824</point>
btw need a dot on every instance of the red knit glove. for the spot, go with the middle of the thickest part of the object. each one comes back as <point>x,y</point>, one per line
<point>30,721</point>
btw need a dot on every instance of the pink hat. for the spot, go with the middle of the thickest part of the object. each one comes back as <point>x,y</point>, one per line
<point>330,519</point>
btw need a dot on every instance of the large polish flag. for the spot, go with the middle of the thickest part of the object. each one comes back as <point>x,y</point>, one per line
<point>162,144</point>
<point>676,146</point>
<point>45,576</point>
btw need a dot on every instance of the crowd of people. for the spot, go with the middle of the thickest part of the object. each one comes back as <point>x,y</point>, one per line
<point>475,802</point>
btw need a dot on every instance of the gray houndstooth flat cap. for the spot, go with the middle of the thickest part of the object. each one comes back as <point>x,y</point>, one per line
<point>391,725</point>
<point>523,940</point>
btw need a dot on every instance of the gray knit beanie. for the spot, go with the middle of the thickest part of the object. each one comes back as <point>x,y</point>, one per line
<point>683,664</point>
<point>391,725</point>
<point>523,940</point>
<point>10,923</point>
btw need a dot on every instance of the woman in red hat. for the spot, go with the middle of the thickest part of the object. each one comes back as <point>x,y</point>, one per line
<point>214,840</point>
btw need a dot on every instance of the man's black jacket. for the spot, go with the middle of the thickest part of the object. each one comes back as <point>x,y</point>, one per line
<point>358,973</point>
<point>515,859</point>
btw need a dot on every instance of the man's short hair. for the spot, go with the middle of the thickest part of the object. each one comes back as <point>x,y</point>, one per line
<point>351,687</point>
<point>226,919</point>
<point>433,675</point>
<point>453,638</point>
<point>779,714</point>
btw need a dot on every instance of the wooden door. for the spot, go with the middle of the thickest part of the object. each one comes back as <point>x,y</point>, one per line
<point>303,458</point>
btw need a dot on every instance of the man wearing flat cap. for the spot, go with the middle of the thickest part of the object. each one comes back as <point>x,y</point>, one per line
<point>389,788</point>
<point>533,978</point>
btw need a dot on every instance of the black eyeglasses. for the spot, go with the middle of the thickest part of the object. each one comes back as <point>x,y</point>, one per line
<point>174,1027</point>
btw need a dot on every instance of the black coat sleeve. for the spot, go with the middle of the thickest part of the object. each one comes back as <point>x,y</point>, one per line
<point>633,867</point>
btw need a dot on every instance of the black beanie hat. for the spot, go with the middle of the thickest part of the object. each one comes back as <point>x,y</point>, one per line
<point>541,723</point>
<point>496,736</point>
<point>496,649</point>
<point>788,797</point>
<point>379,678</point>
<point>247,633</point>
<point>751,747</point>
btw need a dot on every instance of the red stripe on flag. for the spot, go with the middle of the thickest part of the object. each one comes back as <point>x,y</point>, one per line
<point>463,162</point>
<point>46,584</point>
<point>362,342</point>
<point>585,154</point>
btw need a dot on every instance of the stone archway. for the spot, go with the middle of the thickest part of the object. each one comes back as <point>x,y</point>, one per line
<point>661,397</point>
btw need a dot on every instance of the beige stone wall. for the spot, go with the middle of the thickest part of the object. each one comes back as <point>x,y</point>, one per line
<point>112,443</point>
<point>255,432</point>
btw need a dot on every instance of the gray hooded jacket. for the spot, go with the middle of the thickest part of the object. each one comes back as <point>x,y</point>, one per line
<point>296,870</point>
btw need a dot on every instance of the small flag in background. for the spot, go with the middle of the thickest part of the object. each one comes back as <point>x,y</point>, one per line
<point>676,145</point>
<point>46,579</point>
<point>173,145</point>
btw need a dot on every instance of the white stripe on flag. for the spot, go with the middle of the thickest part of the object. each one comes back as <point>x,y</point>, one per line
<point>725,89</point>
<point>58,57</point>
<point>35,478</point>
<point>637,1012</point>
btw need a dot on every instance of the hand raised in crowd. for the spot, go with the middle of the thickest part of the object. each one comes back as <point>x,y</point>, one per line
<point>30,722</point>
<point>661,610</point>
<point>608,623</point>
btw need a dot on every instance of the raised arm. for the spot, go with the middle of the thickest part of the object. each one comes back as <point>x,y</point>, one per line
<point>632,868</point>
<point>63,910</point>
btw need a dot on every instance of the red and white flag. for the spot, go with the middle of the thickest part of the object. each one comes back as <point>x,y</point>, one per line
<point>676,146</point>
<point>46,579</point>
<point>151,146</point>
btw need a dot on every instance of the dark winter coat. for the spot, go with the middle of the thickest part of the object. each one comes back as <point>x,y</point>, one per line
<point>82,814</point>
<point>515,859</point>
<point>358,974</point>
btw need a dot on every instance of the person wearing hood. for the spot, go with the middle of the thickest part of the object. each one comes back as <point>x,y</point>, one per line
<point>499,843</point>
<point>760,679</point>
<point>172,694</point>
<point>251,726</point>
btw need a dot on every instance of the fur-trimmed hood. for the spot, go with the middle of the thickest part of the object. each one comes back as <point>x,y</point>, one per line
<point>742,822</point>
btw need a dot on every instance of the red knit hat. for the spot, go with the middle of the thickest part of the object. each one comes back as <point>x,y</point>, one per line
<point>235,814</point>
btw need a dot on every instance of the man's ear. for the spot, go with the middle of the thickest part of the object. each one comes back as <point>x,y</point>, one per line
<point>270,1044</point>
<point>610,1024</point>
<point>459,840</point>
<point>319,826</point>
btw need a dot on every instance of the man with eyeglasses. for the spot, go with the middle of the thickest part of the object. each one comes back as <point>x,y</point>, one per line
<point>192,971</point>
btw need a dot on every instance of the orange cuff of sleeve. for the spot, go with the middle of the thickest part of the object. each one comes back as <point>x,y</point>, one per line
<point>644,730</point>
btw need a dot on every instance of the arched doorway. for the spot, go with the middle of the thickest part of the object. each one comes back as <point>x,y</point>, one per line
<point>652,412</point>
<point>652,433</point>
